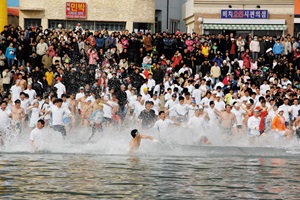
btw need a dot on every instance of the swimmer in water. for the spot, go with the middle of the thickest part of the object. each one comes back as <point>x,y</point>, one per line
<point>136,140</point>
<point>204,141</point>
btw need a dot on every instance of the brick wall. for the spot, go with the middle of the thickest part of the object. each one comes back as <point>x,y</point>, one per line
<point>97,10</point>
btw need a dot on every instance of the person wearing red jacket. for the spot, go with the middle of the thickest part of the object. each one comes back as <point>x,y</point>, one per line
<point>176,59</point>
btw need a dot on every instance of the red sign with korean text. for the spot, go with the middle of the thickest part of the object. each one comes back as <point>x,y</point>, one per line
<point>75,10</point>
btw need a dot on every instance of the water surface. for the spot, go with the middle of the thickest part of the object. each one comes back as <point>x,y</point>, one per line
<point>215,176</point>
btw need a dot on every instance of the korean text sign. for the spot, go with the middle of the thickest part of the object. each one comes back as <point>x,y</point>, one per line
<point>244,14</point>
<point>75,10</point>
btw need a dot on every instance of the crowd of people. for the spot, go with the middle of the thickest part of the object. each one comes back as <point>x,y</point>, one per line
<point>247,85</point>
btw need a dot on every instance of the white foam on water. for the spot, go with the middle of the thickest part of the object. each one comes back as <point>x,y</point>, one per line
<point>177,141</point>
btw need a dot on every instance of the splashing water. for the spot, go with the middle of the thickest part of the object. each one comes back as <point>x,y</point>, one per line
<point>178,141</point>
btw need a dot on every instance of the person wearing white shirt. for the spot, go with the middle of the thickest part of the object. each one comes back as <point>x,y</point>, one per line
<point>156,102</point>
<point>183,69</point>
<point>219,105</point>
<point>34,112</point>
<point>131,99</point>
<point>271,114</point>
<point>44,108</point>
<point>167,83</point>
<point>79,95</point>
<point>109,107</point>
<point>5,115</point>
<point>58,114</point>
<point>61,89</point>
<point>41,47</point>
<point>31,92</point>
<point>295,109</point>
<point>129,92</point>
<point>15,91</point>
<point>65,103</point>
<point>156,89</point>
<point>198,122</point>
<point>168,95</point>
<point>138,106</point>
<point>287,109</point>
<point>197,94</point>
<point>206,100</point>
<point>151,83</point>
<point>235,98</point>
<point>264,87</point>
<point>239,113</point>
<point>144,87</point>
<point>163,126</point>
<point>253,124</point>
<point>169,104</point>
<point>190,86</point>
<point>212,113</point>
<point>24,101</point>
<point>38,136</point>
<point>181,109</point>
<point>145,95</point>
<point>203,87</point>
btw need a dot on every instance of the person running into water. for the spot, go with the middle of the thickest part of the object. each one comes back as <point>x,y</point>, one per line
<point>18,115</point>
<point>136,140</point>
<point>5,115</point>
<point>96,120</point>
<point>38,136</point>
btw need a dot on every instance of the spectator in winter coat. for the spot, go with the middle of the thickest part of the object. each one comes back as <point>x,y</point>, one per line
<point>255,48</point>
<point>10,54</point>
<point>277,49</point>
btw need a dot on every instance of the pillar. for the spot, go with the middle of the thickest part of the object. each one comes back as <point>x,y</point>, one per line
<point>3,14</point>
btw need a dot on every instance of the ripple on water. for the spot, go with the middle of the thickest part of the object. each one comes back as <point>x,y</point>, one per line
<point>87,176</point>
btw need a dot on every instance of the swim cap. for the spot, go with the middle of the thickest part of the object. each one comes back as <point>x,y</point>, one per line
<point>134,133</point>
<point>100,104</point>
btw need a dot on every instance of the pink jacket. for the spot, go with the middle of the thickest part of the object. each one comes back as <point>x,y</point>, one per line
<point>93,57</point>
<point>189,44</point>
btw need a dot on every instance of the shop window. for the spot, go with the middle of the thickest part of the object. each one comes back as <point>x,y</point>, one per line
<point>143,27</point>
<point>91,25</point>
<point>174,25</point>
<point>32,22</point>
<point>110,26</point>
<point>54,24</point>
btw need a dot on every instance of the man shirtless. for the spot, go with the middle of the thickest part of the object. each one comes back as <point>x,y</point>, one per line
<point>95,105</point>
<point>227,118</point>
<point>81,101</point>
<point>86,112</point>
<point>136,140</point>
<point>23,82</point>
<point>72,104</point>
<point>18,114</point>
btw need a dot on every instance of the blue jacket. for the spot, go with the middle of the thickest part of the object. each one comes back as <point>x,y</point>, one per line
<point>100,42</point>
<point>218,60</point>
<point>277,48</point>
<point>10,53</point>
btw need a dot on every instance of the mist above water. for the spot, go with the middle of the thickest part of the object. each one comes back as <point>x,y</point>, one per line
<point>178,141</point>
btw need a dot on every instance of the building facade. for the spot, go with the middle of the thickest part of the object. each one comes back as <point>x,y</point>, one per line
<point>262,17</point>
<point>92,14</point>
<point>168,15</point>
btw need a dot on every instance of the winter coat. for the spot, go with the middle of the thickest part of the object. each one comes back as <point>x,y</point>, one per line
<point>277,48</point>
<point>254,46</point>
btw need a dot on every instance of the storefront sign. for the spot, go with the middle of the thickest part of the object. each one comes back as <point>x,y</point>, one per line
<point>244,14</point>
<point>75,10</point>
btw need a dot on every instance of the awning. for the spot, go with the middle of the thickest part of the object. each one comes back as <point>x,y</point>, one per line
<point>245,26</point>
